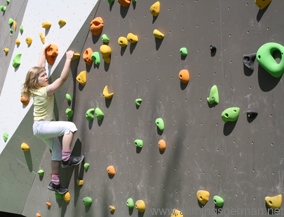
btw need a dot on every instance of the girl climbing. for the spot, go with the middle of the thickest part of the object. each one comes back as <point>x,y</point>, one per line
<point>44,127</point>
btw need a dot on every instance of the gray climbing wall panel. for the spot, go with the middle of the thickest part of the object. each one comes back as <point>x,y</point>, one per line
<point>241,161</point>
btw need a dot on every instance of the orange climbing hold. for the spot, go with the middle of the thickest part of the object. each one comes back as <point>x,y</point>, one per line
<point>162,145</point>
<point>24,100</point>
<point>87,56</point>
<point>48,204</point>
<point>38,215</point>
<point>184,76</point>
<point>111,170</point>
<point>96,26</point>
<point>51,53</point>
<point>124,3</point>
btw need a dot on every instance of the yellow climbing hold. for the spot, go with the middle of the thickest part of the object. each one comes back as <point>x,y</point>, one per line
<point>66,197</point>
<point>80,182</point>
<point>29,41</point>
<point>42,38</point>
<point>203,196</point>
<point>46,25</point>
<point>111,208</point>
<point>274,202</point>
<point>140,205</point>
<point>106,94</point>
<point>132,38</point>
<point>62,23</point>
<point>17,42</point>
<point>176,213</point>
<point>76,56</point>
<point>262,3</point>
<point>15,25</point>
<point>25,147</point>
<point>122,41</point>
<point>155,9</point>
<point>106,51</point>
<point>82,78</point>
<point>6,50</point>
<point>158,34</point>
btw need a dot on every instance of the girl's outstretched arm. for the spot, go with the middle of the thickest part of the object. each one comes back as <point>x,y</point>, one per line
<point>41,61</point>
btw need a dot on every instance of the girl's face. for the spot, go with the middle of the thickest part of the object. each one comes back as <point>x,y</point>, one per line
<point>43,79</point>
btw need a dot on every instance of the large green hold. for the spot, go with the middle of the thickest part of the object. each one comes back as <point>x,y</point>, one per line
<point>87,201</point>
<point>96,58</point>
<point>17,60</point>
<point>230,114</point>
<point>90,114</point>
<point>68,97</point>
<point>58,196</point>
<point>138,143</point>
<point>265,58</point>
<point>40,172</point>
<point>69,113</point>
<point>5,136</point>
<point>214,95</point>
<point>219,201</point>
<point>2,8</point>
<point>99,114</point>
<point>110,1</point>
<point>160,123</point>
<point>130,203</point>
<point>10,21</point>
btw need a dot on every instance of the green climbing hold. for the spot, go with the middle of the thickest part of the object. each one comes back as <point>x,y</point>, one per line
<point>86,166</point>
<point>58,196</point>
<point>40,172</point>
<point>138,143</point>
<point>160,123</point>
<point>10,21</point>
<point>99,114</point>
<point>218,200</point>
<point>11,32</point>
<point>96,58</point>
<point>134,0</point>
<point>5,136</point>
<point>230,114</point>
<point>138,102</point>
<point>90,114</point>
<point>87,201</point>
<point>69,113</point>
<point>68,97</point>
<point>21,29</point>
<point>17,60</point>
<point>8,1</point>
<point>110,1</point>
<point>130,203</point>
<point>183,51</point>
<point>2,8</point>
<point>214,95</point>
<point>105,38</point>
<point>265,58</point>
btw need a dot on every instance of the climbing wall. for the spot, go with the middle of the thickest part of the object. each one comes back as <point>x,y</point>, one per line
<point>239,161</point>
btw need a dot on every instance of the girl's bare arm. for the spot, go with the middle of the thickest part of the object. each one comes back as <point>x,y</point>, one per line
<point>41,61</point>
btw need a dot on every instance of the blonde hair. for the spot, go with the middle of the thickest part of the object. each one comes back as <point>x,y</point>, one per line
<point>31,82</point>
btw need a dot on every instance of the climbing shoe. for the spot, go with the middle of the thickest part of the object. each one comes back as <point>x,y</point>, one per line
<point>73,161</point>
<point>58,188</point>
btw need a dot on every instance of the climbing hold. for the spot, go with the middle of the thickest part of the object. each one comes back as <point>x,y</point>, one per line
<point>140,205</point>
<point>82,78</point>
<point>96,26</point>
<point>46,25</point>
<point>76,56</point>
<point>230,114</point>
<point>3,8</point>
<point>17,60</point>
<point>6,50</point>
<point>111,170</point>
<point>87,56</point>
<point>17,42</point>
<point>38,215</point>
<point>8,1</point>
<point>111,208</point>
<point>87,201</point>
<point>105,38</point>
<point>80,182</point>
<point>267,61</point>
<point>42,38</point>
<point>155,9</point>
<point>48,204</point>
<point>262,3</point>
<point>183,51</point>
<point>214,95</point>
<point>132,38</point>
<point>21,29</point>
<point>138,101</point>
<point>138,143</point>
<point>122,41</point>
<point>40,172</point>
<point>203,196</point>
<point>51,53</point>
<point>10,21</point>
<point>25,147</point>
<point>124,3</point>
<point>61,23</point>
<point>5,136</point>
<point>218,200</point>
<point>110,1</point>
<point>251,114</point>
<point>162,145</point>
<point>69,113</point>
<point>86,166</point>
<point>11,32</point>
<point>68,97</point>
<point>130,203</point>
<point>158,34</point>
<point>58,196</point>
<point>160,124</point>
<point>106,94</point>
<point>248,60</point>
<point>66,197</point>
<point>90,114</point>
<point>99,114</point>
<point>15,25</point>
<point>96,58</point>
<point>184,76</point>
<point>274,202</point>
<point>106,51</point>
<point>176,213</point>
<point>213,48</point>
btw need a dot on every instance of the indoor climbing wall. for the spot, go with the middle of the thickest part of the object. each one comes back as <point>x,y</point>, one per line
<point>239,162</point>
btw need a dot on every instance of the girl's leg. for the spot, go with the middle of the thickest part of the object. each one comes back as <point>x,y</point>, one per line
<point>55,166</point>
<point>67,140</point>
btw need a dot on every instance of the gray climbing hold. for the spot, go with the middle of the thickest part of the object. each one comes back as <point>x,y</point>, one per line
<point>248,60</point>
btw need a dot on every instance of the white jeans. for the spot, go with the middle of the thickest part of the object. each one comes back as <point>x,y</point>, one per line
<point>49,131</point>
